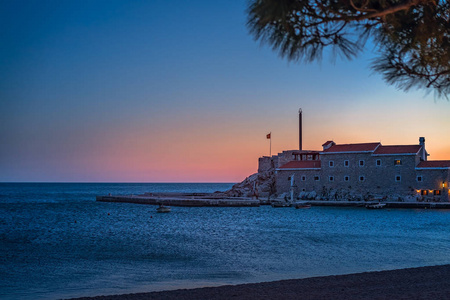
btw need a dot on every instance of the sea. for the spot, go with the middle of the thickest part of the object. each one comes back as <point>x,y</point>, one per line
<point>57,242</point>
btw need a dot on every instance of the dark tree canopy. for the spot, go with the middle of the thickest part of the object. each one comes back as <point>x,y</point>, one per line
<point>412,36</point>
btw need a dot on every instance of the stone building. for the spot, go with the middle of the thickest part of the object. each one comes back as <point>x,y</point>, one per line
<point>365,171</point>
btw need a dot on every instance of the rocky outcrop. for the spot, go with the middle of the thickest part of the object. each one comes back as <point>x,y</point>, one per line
<point>256,185</point>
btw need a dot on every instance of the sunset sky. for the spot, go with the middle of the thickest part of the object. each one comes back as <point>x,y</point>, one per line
<point>178,91</point>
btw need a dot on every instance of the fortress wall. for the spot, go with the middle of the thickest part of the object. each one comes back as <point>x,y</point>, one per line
<point>432,180</point>
<point>285,157</point>
<point>274,161</point>
<point>303,181</point>
<point>378,180</point>
<point>384,177</point>
<point>264,164</point>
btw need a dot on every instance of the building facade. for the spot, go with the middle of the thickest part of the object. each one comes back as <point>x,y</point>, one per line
<point>365,171</point>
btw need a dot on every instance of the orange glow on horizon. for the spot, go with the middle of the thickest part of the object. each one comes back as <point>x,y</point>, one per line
<point>200,153</point>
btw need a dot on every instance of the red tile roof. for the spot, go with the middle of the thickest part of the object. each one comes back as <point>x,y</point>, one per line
<point>434,164</point>
<point>352,148</point>
<point>398,149</point>
<point>302,164</point>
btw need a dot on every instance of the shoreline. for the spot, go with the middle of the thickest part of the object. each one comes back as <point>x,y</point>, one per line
<point>411,283</point>
<point>220,200</point>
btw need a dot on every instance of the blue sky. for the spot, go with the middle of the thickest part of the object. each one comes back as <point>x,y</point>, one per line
<point>155,91</point>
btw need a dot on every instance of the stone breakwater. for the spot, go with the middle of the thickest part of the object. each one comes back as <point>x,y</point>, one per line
<point>220,200</point>
<point>179,199</point>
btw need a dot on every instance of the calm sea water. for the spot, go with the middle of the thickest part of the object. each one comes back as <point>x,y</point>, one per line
<point>56,241</point>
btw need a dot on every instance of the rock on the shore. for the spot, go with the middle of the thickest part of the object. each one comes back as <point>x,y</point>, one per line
<point>256,185</point>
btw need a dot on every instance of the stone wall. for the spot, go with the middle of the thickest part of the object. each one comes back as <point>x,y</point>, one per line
<point>304,181</point>
<point>285,157</point>
<point>431,180</point>
<point>364,176</point>
<point>358,176</point>
<point>266,163</point>
<point>370,175</point>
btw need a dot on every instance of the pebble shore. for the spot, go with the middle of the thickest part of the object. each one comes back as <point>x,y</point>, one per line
<point>413,283</point>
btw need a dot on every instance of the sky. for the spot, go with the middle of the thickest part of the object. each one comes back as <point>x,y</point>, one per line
<point>179,91</point>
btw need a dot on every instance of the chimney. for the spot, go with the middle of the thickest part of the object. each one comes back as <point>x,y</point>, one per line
<point>422,141</point>
<point>328,144</point>
<point>300,147</point>
<point>423,152</point>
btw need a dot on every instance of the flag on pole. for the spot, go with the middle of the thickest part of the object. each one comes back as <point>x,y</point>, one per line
<point>268,136</point>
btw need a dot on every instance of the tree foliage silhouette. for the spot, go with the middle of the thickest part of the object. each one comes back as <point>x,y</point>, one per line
<point>412,36</point>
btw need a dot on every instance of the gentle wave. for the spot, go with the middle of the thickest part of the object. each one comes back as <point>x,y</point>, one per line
<point>56,241</point>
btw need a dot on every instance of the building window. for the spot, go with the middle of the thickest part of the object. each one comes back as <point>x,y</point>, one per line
<point>316,178</point>
<point>437,192</point>
<point>362,178</point>
<point>303,178</point>
<point>423,192</point>
<point>346,178</point>
<point>378,162</point>
<point>331,163</point>
<point>361,163</point>
<point>331,178</point>
<point>397,162</point>
<point>346,163</point>
<point>419,179</point>
<point>398,178</point>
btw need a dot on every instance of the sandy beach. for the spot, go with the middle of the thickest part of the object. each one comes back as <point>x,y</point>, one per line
<point>412,283</point>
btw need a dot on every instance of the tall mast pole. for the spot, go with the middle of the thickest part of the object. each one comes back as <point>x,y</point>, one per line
<point>300,147</point>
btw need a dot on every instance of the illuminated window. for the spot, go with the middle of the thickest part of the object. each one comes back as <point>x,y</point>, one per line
<point>419,179</point>
<point>331,178</point>
<point>331,163</point>
<point>437,192</point>
<point>361,163</point>
<point>346,178</point>
<point>346,163</point>
<point>378,162</point>
<point>398,178</point>
<point>424,192</point>
<point>397,162</point>
<point>362,178</point>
